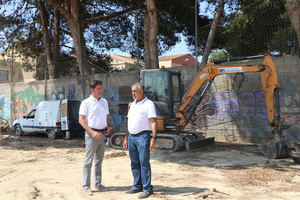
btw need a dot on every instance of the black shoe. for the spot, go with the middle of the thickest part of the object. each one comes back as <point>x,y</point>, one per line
<point>144,195</point>
<point>133,190</point>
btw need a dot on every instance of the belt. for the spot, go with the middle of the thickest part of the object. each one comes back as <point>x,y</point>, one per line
<point>99,130</point>
<point>142,132</point>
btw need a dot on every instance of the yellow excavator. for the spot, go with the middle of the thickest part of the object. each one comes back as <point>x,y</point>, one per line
<point>174,110</point>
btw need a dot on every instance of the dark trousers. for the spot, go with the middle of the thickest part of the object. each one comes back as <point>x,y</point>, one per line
<point>138,146</point>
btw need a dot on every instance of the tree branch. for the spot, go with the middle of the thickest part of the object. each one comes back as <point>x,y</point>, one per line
<point>101,18</point>
<point>63,45</point>
<point>57,5</point>
<point>66,31</point>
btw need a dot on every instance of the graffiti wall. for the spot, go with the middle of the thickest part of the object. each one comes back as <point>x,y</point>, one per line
<point>229,106</point>
<point>5,107</point>
<point>58,92</point>
<point>71,92</point>
<point>118,99</point>
<point>26,100</point>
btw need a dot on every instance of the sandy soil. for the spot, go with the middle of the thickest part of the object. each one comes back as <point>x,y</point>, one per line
<point>35,167</point>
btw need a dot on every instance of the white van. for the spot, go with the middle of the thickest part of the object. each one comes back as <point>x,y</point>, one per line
<point>51,117</point>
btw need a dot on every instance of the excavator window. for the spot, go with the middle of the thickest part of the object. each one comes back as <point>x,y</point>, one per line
<point>175,88</point>
<point>156,85</point>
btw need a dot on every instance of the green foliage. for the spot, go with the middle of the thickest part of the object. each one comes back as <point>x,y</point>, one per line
<point>27,66</point>
<point>249,28</point>
<point>217,54</point>
<point>255,28</point>
<point>101,64</point>
<point>134,67</point>
<point>66,67</point>
<point>3,63</point>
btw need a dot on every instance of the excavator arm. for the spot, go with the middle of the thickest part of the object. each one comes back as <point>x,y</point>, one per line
<point>210,71</point>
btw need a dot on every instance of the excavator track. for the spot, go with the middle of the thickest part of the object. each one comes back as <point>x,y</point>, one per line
<point>116,140</point>
<point>167,141</point>
<point>170,142</point>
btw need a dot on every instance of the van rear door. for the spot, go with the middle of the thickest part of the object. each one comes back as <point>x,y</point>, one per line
<point>64,115</point>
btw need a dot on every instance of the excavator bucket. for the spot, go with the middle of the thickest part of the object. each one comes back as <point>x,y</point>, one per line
<point>275,148</point>
<point>292,136</point>
<point>195,140</point>
<point>288,145</point>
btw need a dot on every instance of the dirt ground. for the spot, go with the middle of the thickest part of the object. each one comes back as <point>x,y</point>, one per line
<point>35,167</point>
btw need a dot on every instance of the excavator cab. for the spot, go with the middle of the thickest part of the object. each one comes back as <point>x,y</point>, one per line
<point>164,88</point>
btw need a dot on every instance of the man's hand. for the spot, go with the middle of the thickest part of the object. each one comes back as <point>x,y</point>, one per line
<point>96,135</point>
<point>107,132</point>
<point>152,144</point>
<point>93,133</point>
<point>125,144</point>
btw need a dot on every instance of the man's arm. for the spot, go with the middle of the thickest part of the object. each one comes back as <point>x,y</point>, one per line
<point>106,133</point>
<point>125,143</point>
<point>93,133</point>
<point>154,133</point>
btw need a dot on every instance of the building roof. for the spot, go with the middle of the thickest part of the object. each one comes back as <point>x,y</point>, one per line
<point>171,57</point>
<point>179,59</point>
<point>124,59</point>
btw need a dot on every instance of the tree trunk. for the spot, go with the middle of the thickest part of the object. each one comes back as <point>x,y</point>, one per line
<point>293,9</point>
<point>56,41</point>
<point>71,12</point>
<point>212,33</point>
<point>74,22</point>
<point>80,47</point>
<point>47,43</point>
<point>152,13</point>
<point>146,41</point>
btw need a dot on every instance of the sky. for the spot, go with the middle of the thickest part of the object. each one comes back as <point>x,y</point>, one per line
<point>180,48</point>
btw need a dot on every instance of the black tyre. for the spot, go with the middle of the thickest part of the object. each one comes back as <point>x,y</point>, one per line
<point>17,130</point>
<point>51,134</point>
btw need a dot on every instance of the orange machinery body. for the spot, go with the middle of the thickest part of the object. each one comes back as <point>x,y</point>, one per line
<point>210,71</point>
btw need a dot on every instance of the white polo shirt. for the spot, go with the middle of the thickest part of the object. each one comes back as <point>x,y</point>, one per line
<point>95,112</point>
<point>139,115</point>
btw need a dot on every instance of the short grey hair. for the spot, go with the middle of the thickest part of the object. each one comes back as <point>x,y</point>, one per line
<point>140,85</point>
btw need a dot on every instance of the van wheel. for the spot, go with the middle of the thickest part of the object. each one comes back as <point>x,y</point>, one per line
<point>51,134</point>
<point>17,130</point>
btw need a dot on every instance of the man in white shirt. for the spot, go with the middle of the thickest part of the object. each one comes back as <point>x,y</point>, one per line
<point>141,123</point>
<point>93,117</point>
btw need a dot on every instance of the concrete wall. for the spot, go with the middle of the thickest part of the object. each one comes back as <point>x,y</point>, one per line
<point>18,100</point>
<point>235,111</point>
